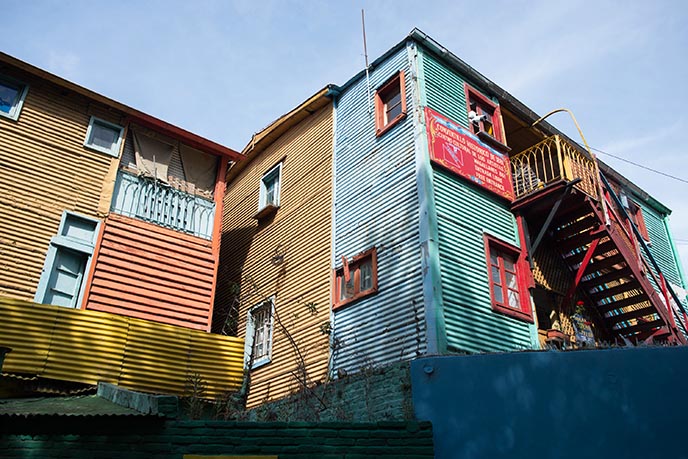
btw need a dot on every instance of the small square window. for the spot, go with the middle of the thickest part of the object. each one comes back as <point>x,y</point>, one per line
<point>636,214</point>
<point>361,281</point>
<point>390,104</point>
<point>104,137</point>
<point>270,185</point>
<point>258,346</point>
<point>507,284</point>
<point>12,95</point>
<point>483,115</point>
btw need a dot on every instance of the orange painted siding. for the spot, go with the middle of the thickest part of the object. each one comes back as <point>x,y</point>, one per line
<point>149,272</point>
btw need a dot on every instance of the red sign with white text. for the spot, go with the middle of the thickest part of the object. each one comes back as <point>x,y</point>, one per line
<point>457,149</point>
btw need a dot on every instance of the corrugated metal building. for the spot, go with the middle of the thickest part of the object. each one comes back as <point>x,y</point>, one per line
<point>275,281</point>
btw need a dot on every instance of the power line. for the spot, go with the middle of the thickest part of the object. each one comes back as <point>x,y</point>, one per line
<point>640,165</point>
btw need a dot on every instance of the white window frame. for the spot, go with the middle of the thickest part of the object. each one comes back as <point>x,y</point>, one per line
<point>19,103</point>
<point>262,202</point>
<point>114,151</point>
<point>59,242</point>
<point>251,330</point>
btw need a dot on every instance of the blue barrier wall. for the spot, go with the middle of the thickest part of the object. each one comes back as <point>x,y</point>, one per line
<point>625,403</point>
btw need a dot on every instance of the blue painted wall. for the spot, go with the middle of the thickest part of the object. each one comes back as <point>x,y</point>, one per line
<point>624,403</point>
<point>376,204</point>
<point>464,213</point>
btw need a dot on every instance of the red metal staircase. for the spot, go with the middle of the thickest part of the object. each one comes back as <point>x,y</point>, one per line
<point>628,297</point>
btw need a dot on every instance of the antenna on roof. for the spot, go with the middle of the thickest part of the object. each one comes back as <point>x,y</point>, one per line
<point>365,53</point>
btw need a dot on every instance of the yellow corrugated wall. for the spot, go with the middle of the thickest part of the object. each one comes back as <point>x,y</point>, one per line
<point>89,346</point>
<point>44,170</point>
<point>301,231</point>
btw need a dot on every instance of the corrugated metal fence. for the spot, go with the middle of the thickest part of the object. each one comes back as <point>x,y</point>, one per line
<point>89,346</point>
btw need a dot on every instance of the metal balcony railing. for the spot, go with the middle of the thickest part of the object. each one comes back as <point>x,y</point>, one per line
<point>156,202</point>
<point>552,160</point>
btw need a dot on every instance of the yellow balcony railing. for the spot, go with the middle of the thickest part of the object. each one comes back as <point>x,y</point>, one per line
<point>552,160</point>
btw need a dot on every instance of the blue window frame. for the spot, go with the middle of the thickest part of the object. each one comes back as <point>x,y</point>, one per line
<point>104,136</point>
<point>68,261</point>
<point>12,95</point>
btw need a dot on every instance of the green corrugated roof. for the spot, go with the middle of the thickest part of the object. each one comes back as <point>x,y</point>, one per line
<point>84,405</point>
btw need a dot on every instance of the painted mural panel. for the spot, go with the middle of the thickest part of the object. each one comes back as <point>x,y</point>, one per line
<point>376,205</point>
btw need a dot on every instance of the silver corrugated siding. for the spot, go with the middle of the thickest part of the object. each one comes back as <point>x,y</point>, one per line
<point>464,214</point>
<point>376,204</point>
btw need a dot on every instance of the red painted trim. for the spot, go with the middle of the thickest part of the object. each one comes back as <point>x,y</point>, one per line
<point>525,312</point>
<point>581,270</point>
<point>92,269</point>
<point>380,127</point>
<point>497,122</point>
<point>527,273</point>
<point>354,264</point>
<point>665,292</point>
<point>219,197</point>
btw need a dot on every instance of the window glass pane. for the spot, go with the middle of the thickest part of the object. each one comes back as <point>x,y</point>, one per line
<point>8,96</point>
<point>271,184</point>
<point>511,281</point>
<point>498,294</point>
<point>393,106</point>
<point>366,276</point>
<point>496,278</point>
<point>103,136</point>
<point>509,264</point>
<point>261,324</point>
<point>346,288</point>
<point>494,259</point>
<point>513,299</point>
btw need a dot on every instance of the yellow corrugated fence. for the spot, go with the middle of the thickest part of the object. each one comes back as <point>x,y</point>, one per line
<point>89,346</point>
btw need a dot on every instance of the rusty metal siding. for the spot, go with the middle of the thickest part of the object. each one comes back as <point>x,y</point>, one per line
<point>376,204</point>
<point>143,270</point>
<point>301,232</point>
<point>89,346</point>
<point>45,170</point>
<point>464,214</point>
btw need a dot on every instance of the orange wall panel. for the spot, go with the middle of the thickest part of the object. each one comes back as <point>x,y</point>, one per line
<point>149,272</point>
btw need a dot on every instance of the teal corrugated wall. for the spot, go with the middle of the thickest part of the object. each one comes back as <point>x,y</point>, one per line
<point>661,246</point>
<point>464,214</point>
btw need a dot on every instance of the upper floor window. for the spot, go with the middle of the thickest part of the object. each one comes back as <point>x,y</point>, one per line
<point>356,279</point>
<point>390,103</point>
<point>12,95</point>
<point>483,115</point>
<point>507,285</point>
<point>103,136</point>
<point>270,186</point>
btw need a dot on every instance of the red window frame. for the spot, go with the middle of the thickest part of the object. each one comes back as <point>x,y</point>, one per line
<point>503,250</point>
<point>355,273</point>
<point>396,84</point>
<point>639,220</point>
<point>484,106</point>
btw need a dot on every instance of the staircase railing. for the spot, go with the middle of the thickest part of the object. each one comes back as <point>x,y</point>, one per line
<point>552,160</point>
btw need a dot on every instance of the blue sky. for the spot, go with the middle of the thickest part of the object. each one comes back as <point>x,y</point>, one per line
<point>226,69</point>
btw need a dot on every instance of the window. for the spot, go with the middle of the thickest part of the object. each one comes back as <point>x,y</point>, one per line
<point>12,95</point>
<point>356,279</point>
<point>258,345</point>
<point>636,214</point>
<point>104,137</point>
<point>67,261</point>
<point>390,104</point>
<point>483,115</point>
<point>505,272</point>
<point>270,186</point>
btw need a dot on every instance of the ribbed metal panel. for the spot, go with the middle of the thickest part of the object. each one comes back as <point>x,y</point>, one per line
<point>377,205</point>
<point>300,231</point>
<point>444,90</point>
<point>660,244</point>
<point>88,346</point>
<point>44,170</point>
<point>465,213</point>
<point>146,271</point>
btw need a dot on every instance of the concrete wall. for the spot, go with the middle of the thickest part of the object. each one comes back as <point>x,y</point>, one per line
<point>602,403</point>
